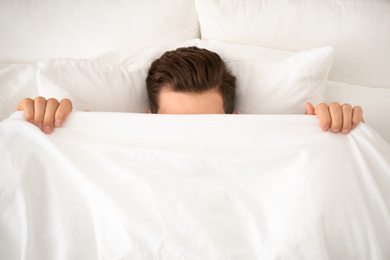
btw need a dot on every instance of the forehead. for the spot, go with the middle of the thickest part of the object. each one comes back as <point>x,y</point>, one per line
<point>209,102</point>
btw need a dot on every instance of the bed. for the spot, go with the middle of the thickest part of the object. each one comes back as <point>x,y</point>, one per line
<point>268,183</point>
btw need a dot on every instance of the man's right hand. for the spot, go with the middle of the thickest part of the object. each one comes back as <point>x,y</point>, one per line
<point>45,114</point>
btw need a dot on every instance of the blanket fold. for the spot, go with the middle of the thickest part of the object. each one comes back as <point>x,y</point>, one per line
<point>144,186</point>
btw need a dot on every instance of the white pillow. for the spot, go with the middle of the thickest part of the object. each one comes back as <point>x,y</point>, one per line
<point>268,81</point>
<point>114,82</point>
<point>32,30</point>
<point>272,81</point>
<point>91,85</point>
<point>359,31</point>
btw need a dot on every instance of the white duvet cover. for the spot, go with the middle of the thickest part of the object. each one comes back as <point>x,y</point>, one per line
<point>141,186</point>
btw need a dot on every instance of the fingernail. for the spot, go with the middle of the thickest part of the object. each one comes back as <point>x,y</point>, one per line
<point>39,126</point>
<point>326,128</point>
<point>47,129</point>
<point>345,131</point>
<point>57,123</point>
<point>336,130</point>
<point>32,121</point>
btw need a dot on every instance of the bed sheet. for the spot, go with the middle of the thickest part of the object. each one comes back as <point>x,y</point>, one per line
<point>143,186</point>
<point>17,81</point>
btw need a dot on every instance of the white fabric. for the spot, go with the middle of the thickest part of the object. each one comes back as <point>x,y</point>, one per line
<point>374,101</point>
<point>91,85</point>
<point>358,30</point>
<point>265,77</point>
<point>32,30</point>
<point>17,81</point>
<point>143,186</point>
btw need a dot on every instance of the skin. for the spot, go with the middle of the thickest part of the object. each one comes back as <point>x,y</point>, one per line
<point>171,102</point>
<point>339,118</point>
<point>45,114</point>
<point>48,114</point>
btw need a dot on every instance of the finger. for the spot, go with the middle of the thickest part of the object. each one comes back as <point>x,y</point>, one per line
<point>347,118</point>
<point>27,105</point>
<point>48,120</point>
<point>336,115</point>
<point>64,108</point>
<point>322,112</point>
<point>357,116</point>
<point>39,111</point>
<point>309,109</point>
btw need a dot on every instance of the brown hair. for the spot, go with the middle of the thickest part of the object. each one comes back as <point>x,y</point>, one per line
<point>191,70</point>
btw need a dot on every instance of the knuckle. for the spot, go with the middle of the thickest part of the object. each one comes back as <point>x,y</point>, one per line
<point>24,105</point>
<point>39,100</point>
<point>358,109</point>
<point>26,101</point>
<point>334,106</point>
<point>67,102</point>
<point>52,101</point>
<point>322,106</point>
<point>346,107</point>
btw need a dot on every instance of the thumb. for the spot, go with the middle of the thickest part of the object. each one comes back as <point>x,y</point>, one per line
<point>309,109</point>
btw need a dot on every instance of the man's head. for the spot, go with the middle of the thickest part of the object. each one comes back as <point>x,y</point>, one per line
<point>190,81</point>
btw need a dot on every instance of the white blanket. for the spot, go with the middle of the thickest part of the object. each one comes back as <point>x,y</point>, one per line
<point>141,186</point>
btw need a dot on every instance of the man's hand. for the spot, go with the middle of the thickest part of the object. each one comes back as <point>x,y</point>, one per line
<point>339,118</point>
<point>45,114</point>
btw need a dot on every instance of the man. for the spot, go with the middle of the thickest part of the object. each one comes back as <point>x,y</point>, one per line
<point>189,81</point>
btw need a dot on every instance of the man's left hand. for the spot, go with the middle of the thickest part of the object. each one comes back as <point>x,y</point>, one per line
<point>338,118</point>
